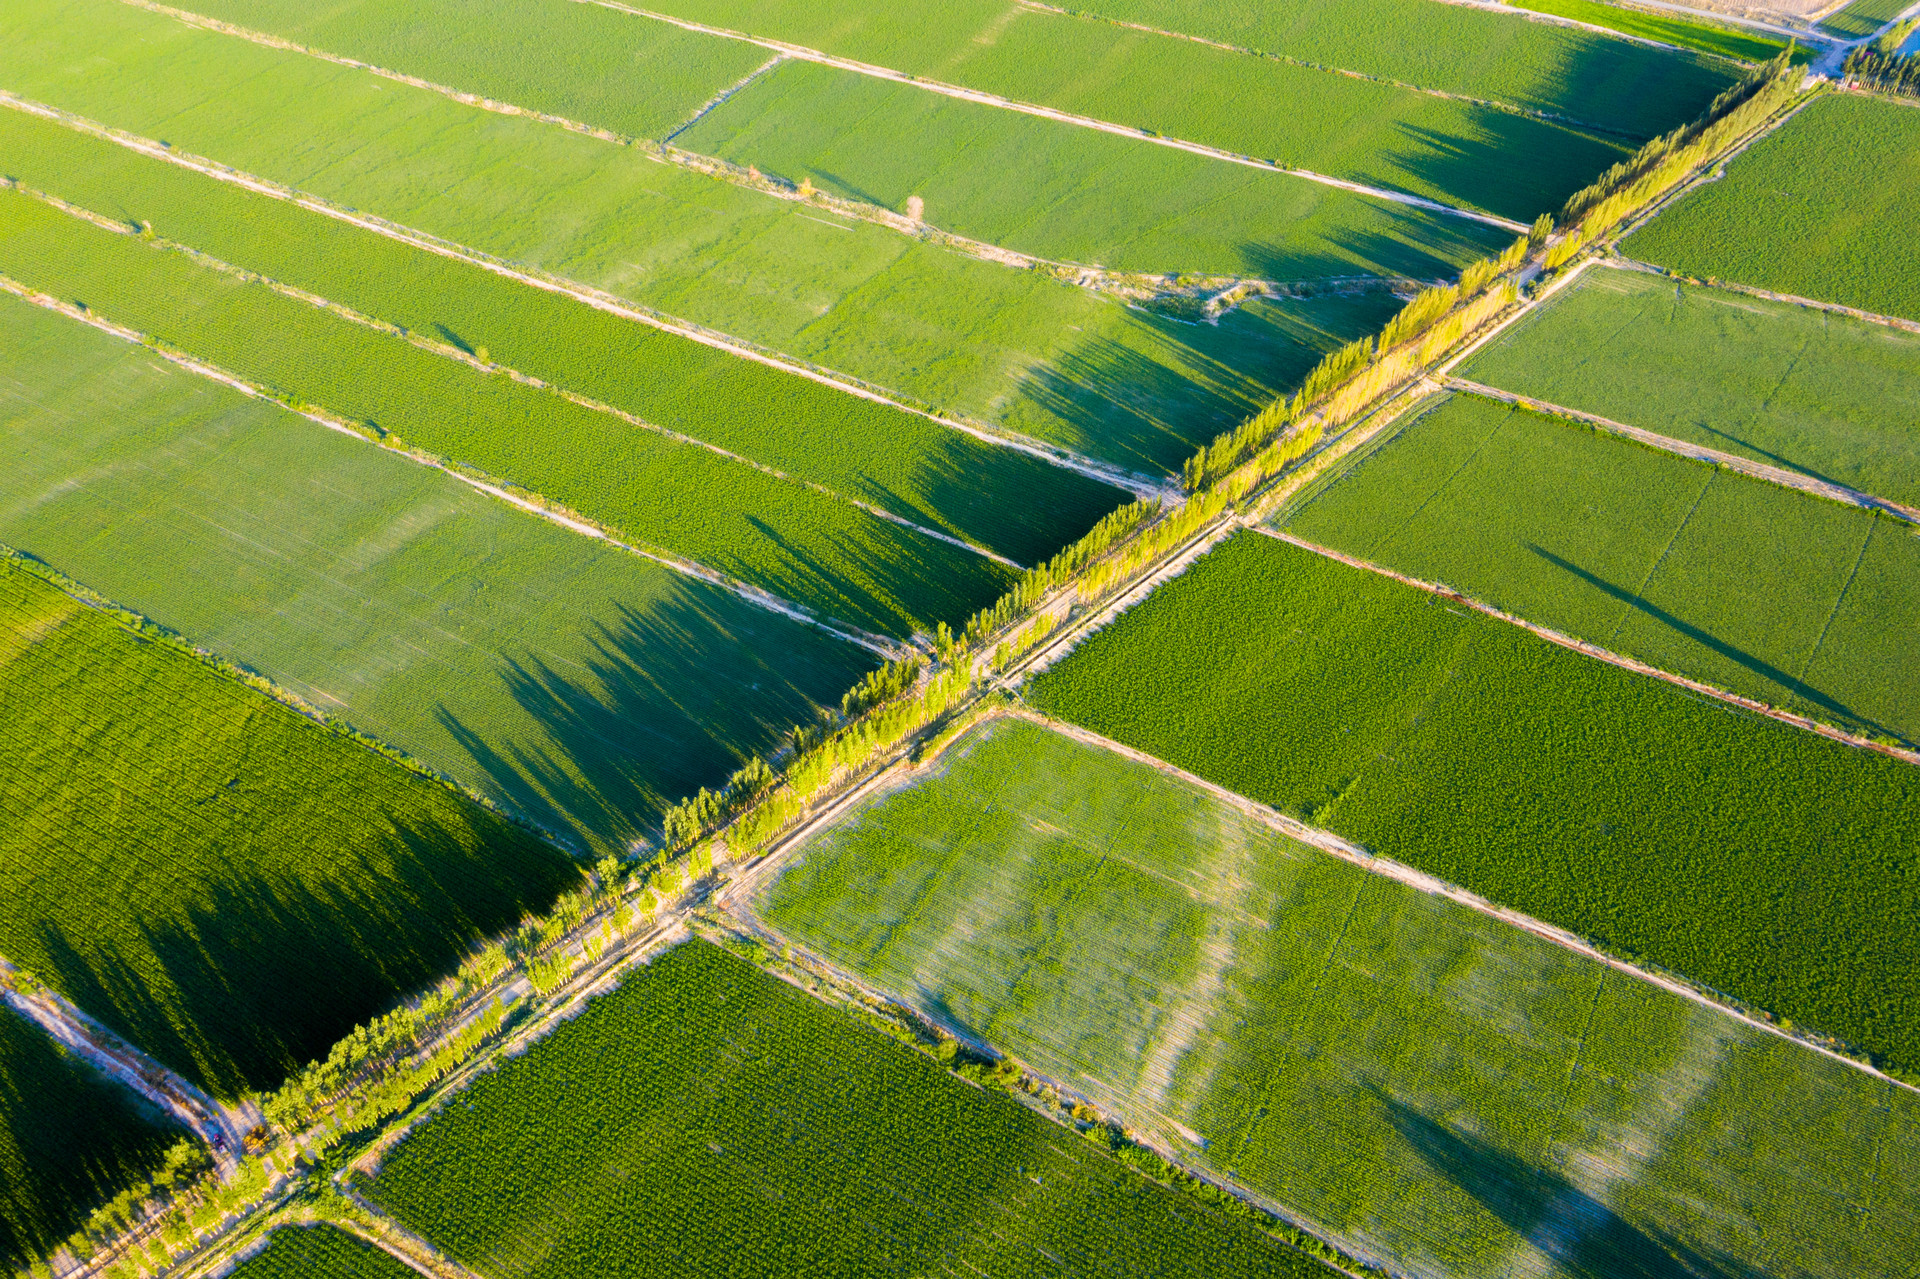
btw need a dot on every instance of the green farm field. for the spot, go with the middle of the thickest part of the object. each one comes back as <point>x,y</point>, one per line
<point>1614,84</point>
<point>1070,193</point>
<point>227,884</point>
<point>1758,589</point>
<point>1007,501</point>
<point>1817,209</point>
<point>1760,859</point>
<point>1726,42</point>
<point>806,546</point>
<point>1449,1094</point>
<point>708,1119</point>
<point>1787,385</point>
<point>1011,348</point>
<point>1863,17</point>
<point>70,1139</point>
<point>320,1252</point>
<point>579,685</point>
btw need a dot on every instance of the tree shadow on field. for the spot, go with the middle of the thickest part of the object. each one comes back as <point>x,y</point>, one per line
<point>664,702</point>
<point>1416,245</point>
<point>1586,1238</point>
<point>1512,166</point>
<point>234,981</point>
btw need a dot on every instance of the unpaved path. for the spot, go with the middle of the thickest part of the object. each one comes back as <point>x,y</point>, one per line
<point>1698,452</point>
<point>1063,117</point>
<point>1618,262</point>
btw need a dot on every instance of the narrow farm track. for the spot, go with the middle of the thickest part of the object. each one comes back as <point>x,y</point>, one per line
<point>978,97</point>
<point>1619,263</point>
<point>221,1130</point>
<point>1698,452</point>
<point>1602,654</point>
<point>1139,485</point>
<point>448,351</point>
<point>890,649</point>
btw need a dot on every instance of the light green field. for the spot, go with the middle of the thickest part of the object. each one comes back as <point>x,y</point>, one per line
<point>1005,346</point>
<point>1863,17</point>
<point>1759,589</point>
<point>1069,193</point>
<point>1786,385</point>
<point>1452,1094</point>
<point>582,686</point>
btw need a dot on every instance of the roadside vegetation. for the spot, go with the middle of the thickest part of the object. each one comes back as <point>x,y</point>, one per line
<point>1664,827</point>
<point>709,1119</point>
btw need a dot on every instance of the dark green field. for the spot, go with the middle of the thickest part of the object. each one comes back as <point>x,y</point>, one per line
<point>1760,859</point>
<point>224,882</point>
<point>709,1119</point>
<point>320,1252</point>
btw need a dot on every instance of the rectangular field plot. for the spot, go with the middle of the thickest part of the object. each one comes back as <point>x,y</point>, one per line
<point>810,547</point>
<point>70,1139</point>
<point>1758,858</point>
<point>1452,1094</point>
<point>1008,501</point>
<point>224,882</point>
<point>709,1119</point>
<point>1863,17</point>
<point>1062,192</point>
<point>577,684</point>
<point>1614,84</point>
<point>1697,570</point>
<point>320,1252</point>
<point>1012,348</point>
<point>1818,209</point>
<point>1787,385</point>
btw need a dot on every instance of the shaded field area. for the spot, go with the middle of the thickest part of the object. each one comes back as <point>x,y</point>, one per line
<point>1071,193</point>
<point>1455,1095</point>
<point>224,882</point>
<point>1007,501</point>
<point>1790,386</point>
<point>70,1139</point>
<point>1013,348</point>
<point>1614,84</point>
<point>582,686</point>
<point>799,543</point>
<point>709,1119</point>
<point>1760,859</point>
<point>320,1252</point>
<point>1766,592</point>
<point>1818,209</point>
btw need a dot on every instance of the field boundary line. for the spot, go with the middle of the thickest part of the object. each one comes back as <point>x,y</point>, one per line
<point>451,352</point>
<point>707,108</point>
<point>1162,487</point>
<point>1776,475</point>
<point>982,98</point>
<point>1413,877</point>
<point>220,1128</point>
<point>1621,262</point>
<point>892,650</point>
<point>1846,588</point>
<point>1601,653</point>
<point>1327,68</point>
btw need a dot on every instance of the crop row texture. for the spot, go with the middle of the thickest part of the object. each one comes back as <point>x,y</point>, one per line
<point>1377,1057</point>
<point>1012,348</point>
<point>1817,209</point>
<point>319,1252</point>
<point>1007,501</point>
<point>709,1119</point>
<point>222,881</point>
<point>1757,858</point>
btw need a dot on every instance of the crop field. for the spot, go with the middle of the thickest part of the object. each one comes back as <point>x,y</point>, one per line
<point>1013,348</point>
<point>1581,75</point>
<point>1007,501</point>
<point>1726,42</point>
<point>1817,209</point>
<point>1659,824</point>
<point>1070,193</point>
<point>709,1119</point>
<point>1694,569</point>
<point>1863,17</point>
<point>319,1252</point>
<point>579,685</point>
<point>799,543</point>
<point>1786,385</point>
<point>1406,1072</point>
<point>225,883</point>
<point>69,1140</point>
